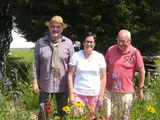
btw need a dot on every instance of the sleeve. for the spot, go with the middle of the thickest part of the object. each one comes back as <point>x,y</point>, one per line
<point>36,62</point>
<point>139,60</point>
<point>71,49</point>
<point>102,61</point>
<point>73,59</point>
<point>107,57</point>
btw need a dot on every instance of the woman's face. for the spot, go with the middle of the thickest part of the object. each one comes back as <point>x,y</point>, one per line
<point>89,43</point>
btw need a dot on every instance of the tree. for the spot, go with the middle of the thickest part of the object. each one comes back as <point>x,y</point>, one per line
<point>104,17</point>
<point>5,29</point>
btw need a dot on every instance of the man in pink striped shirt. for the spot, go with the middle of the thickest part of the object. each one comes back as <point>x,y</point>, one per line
<point>122,61</point>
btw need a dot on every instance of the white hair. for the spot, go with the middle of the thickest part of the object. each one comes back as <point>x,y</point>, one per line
<point>126,32</point>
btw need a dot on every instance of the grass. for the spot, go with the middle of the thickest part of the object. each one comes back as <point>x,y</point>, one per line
<point>157,61</point>
<point>31,104</point>
<point>13,110</point>
<point>23,55</point>
<point>158,64</point>
<point>22,59</point>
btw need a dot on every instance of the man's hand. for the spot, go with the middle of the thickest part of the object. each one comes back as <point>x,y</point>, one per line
<point>35,87</point>
<point>140,94</point>
<point>141,82</point>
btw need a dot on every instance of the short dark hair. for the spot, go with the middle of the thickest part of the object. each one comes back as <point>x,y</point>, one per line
<point>88,34</point>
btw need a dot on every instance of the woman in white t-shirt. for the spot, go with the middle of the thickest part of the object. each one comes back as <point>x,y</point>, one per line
<point>87,74</point>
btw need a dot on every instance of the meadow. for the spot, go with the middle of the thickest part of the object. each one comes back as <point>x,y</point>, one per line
<point>18,102</point>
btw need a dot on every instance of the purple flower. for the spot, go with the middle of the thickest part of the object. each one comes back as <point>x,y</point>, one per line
<point>86,102</point>
<point>147,96</point>
<point>114,75</point>
<point>42,105</point>
<point>14,96</point>
<point>100,103</point>
<point>42,108</point>
<point>129,107</point>
<point>119,84</point>
<point>135,97</point>
<point>115,87</point>
<point>4,58</point>
<point>1,76</point>
<point>126,117</point>
<point>2,67</point>
<point>8,82</point>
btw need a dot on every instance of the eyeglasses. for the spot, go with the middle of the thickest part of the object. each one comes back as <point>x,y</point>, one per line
<point>87,42</point>
<point>122,41</point>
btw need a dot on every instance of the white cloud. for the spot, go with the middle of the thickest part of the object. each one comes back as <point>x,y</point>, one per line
<point>20,42</point>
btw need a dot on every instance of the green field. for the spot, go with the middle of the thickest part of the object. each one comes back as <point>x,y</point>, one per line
<point>26,107</point>
<point>157,61</point>
<point>25,55</point>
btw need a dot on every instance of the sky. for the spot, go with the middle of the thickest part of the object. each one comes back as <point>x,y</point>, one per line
<point>20,42</point>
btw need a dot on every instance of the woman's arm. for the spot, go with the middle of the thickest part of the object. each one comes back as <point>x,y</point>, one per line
<point>103,82</point>
<point>71,74</point>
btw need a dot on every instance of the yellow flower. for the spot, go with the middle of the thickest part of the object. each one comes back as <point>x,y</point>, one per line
<point>79,104</point>
<point>66,109</point>
<point>84,118</point>
<point>56,118</point>
<point>151,109</point>
<point>90,107</point>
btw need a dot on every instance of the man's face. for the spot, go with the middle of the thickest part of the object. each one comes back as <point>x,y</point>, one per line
<point>89,43</point>
<point>55,29</point>
<point>123,42</point>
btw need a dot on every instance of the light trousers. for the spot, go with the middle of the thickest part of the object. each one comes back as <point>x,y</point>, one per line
<point>116,105</point>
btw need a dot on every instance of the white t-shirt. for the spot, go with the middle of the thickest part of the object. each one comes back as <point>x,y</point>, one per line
<point>87,76</point>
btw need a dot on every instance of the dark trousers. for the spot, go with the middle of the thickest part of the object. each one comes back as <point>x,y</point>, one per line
<point>61,100</point>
